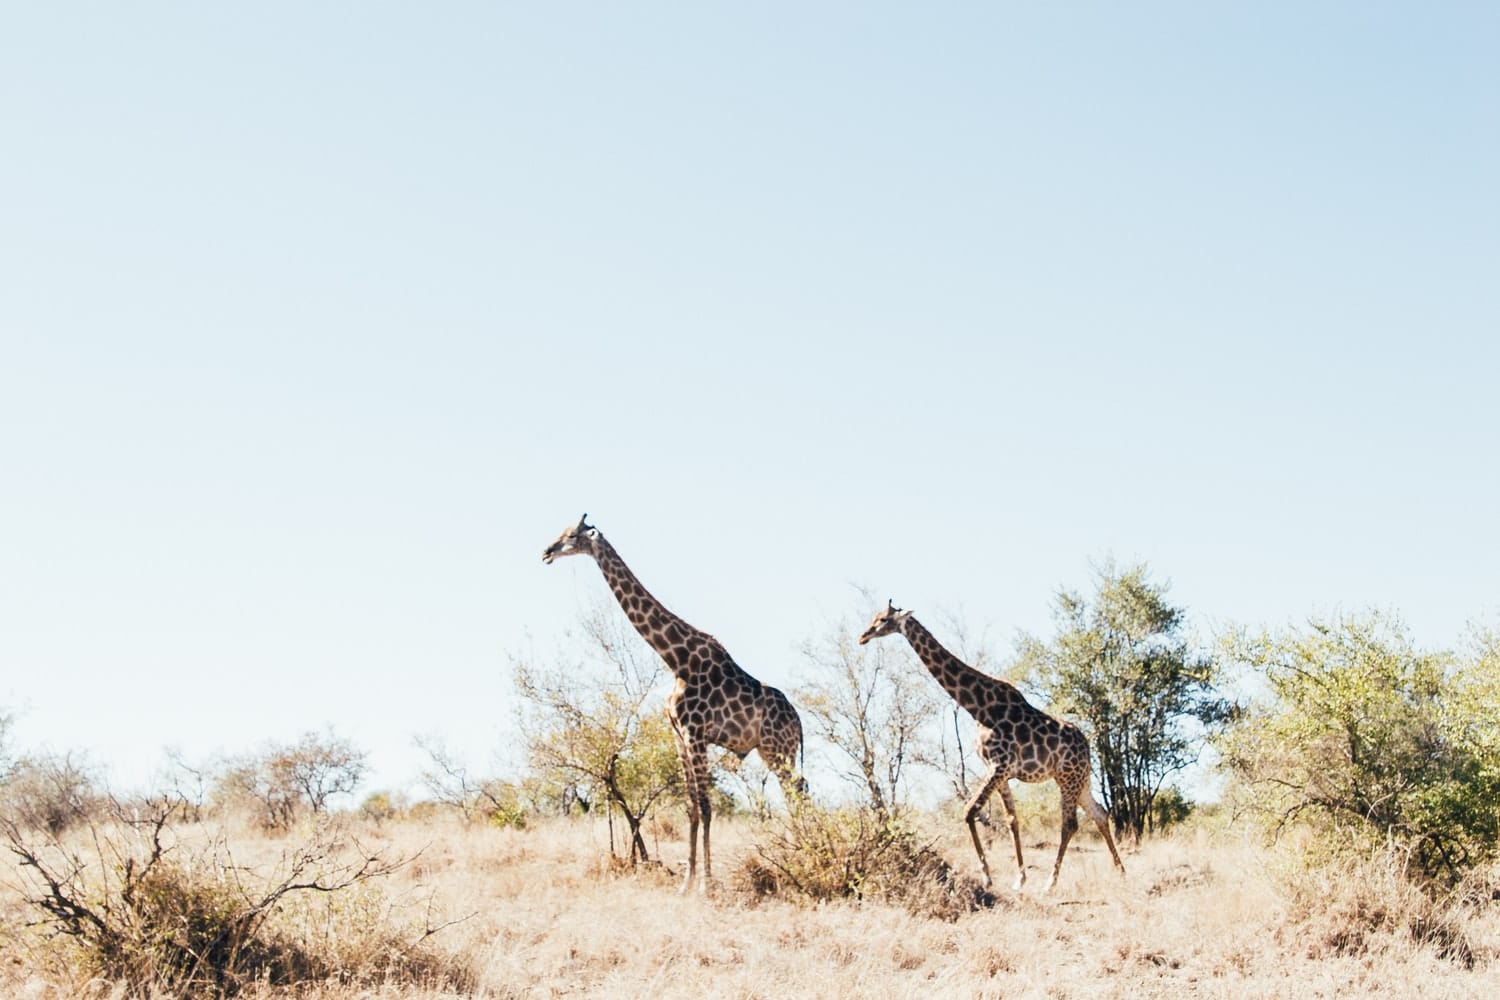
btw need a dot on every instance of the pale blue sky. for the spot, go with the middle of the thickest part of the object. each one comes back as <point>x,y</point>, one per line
<point>320,321</point>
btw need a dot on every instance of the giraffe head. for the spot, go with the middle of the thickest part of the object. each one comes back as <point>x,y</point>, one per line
<point>887,621</point>
<point>581,539</point>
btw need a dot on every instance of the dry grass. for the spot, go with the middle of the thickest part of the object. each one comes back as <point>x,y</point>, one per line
<point>542,912</point>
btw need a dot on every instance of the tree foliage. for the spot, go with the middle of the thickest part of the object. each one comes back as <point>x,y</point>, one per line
<point>597,724</point>
<point>1121,667</point>
<point>1371,738</point>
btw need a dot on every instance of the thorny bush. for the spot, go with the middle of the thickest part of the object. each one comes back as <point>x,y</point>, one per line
<point>144,909</point>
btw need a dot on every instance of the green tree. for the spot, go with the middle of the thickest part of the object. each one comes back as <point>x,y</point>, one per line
<point>599,725</point>
<point>1373,740</point>
<point>1122,668</point>
<point>1472,711</point>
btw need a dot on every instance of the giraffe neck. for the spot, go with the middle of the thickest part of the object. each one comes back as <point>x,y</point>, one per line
<point>663,631</point>
<point>963,683</point>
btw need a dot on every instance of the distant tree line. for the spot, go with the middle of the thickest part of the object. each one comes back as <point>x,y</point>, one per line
<point>1342,725</point>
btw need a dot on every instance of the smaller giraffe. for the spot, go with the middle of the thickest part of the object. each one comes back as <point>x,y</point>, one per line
<point>714,701</point>
<point>1016,739</point>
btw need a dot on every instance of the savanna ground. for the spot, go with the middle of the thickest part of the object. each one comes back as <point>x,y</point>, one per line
<point>546,912</point>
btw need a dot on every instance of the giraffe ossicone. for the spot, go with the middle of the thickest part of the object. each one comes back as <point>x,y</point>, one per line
<point>1016,739</point>
<point>714,701</point>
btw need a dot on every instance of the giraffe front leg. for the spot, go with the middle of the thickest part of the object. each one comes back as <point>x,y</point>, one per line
<point>690,791</point>
<point>1014,821</point>
<point>971,815</point>
<point>706,809</point>
<point>699,811</point>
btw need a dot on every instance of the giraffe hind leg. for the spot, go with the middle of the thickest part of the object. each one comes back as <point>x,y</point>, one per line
<point>781,739</point>
<point>1070,797</point>
<point>783,765</point>
<point>1101,820</point>
<point>703,809</point>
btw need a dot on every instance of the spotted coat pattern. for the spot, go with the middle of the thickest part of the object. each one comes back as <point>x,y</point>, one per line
<point>714,701</point>
<point>1015,738</point>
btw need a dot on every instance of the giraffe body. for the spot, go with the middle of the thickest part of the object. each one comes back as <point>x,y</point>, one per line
<point>1015,740</point>
<point>714,702</point>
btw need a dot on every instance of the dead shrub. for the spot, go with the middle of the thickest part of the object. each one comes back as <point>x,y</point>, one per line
<point>49,793</point>
<point>139,908</point>
<point>1358,906</point>
<point>855,853</point>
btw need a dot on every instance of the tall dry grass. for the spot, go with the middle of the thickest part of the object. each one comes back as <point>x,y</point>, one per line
<point>544,912</point>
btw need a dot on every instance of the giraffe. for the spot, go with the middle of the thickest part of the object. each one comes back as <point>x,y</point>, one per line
<point>1016,739</point>
<point>714,701</point>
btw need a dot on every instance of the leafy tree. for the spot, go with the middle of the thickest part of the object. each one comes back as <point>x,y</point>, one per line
<point>1373,739</point>
<point>875,708</point>
<point>598,725</point>
<point>1121,667</point>
<point>1471,717</point>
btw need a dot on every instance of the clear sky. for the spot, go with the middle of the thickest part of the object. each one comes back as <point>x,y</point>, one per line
<point>319,321</point>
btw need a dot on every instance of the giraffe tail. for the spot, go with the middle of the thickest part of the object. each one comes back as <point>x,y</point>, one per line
<point>801,759</point>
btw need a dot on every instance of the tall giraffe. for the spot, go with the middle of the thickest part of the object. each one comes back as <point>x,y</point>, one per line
<point>714,701</point>
<point>1016,739</point>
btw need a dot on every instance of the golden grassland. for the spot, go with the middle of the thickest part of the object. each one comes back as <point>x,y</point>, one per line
<point>545,912</point>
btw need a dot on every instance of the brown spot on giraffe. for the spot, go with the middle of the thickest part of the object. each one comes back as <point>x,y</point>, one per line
<point>714,702</point>
<point>1016,739</point>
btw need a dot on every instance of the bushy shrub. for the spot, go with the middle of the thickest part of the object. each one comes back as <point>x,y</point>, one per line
<point>49,793</point>
<point>1357,906</point>
<point>161,917</point>
<point>504,805</point>
<point>1374,743</point>
<point>1169,808</point>
<point>857,853</point>
<point>381,807</point>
